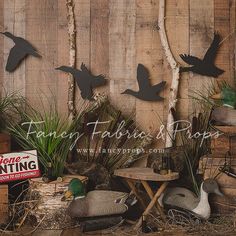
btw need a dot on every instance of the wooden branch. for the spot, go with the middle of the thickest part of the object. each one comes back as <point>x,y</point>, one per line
<point>72,57</point>
<point>175,73</point>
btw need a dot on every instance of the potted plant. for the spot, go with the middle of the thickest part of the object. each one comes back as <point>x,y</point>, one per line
<point>49,133</point>
<point>53,137</point>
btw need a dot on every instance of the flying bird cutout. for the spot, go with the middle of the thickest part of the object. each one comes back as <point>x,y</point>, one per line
<point>19,52</point>
<point>147,92</point>
<point>85,80</point>
<point>206,65</point>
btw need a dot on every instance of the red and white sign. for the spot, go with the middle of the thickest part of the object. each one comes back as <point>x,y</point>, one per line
<point>19,165</point>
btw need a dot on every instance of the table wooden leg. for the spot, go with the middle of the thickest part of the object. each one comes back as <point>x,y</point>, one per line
<point>151,195</point>
<point>147,188</point>
<point>152,203</point>
<point>132,187</point>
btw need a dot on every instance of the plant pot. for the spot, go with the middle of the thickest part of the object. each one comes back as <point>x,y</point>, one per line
<point>47,211</point>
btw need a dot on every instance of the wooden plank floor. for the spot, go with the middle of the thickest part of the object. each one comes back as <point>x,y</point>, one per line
<point>76,232</point>
<point>117,232</point>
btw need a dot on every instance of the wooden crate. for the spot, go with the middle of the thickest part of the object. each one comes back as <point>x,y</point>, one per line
<point>225,143</point>
<point>3,203</point>
<point>227,203</point>
<point>5,146</point>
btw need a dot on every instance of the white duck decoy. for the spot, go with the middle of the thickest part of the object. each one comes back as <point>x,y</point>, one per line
<point>187,200</point>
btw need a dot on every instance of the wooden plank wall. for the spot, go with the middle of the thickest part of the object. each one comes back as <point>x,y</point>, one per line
<point>112,38</point>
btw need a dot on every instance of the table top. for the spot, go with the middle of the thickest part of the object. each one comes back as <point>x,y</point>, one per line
<point>145,174</point>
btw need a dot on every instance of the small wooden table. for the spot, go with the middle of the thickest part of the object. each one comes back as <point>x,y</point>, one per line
<point>143,175</point>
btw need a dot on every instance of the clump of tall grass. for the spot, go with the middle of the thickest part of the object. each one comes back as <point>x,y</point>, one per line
<point>111,152</point>
<point>8,102</point>
<point>49,133</point>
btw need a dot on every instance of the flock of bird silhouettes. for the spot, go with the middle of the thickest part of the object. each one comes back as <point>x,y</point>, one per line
<point>86,81</point>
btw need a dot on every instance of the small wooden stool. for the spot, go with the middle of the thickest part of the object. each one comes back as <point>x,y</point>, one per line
<point>143,175</point>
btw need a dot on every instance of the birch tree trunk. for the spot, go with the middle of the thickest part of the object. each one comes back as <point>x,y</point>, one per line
<point>45,201</point>
<point>72,57</point>
<point>175,74</point>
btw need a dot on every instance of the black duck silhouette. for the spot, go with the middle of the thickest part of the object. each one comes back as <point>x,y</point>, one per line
<point>85,80</point>
<point>205,66</point>
<point>147,92</point>
<point>20,51</point>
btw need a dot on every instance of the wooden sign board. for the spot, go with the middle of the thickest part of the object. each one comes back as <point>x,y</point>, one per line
<point>18,166</point>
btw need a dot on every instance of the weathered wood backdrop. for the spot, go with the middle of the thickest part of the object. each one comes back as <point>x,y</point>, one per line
<point>113,36</point>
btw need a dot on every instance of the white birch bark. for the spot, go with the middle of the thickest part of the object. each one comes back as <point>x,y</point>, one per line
<point>175,73</point>
<point>72,57</point>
